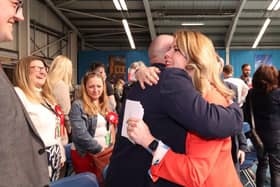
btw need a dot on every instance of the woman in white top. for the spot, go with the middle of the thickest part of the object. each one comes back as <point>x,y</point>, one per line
<point>91,133</point>
<point>34,92</point>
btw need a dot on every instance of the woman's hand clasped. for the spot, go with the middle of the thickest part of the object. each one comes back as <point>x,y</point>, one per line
<point>147,75</point>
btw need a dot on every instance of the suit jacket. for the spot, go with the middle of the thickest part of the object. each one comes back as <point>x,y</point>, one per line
<point>171,107</point>
<point>21,163</point>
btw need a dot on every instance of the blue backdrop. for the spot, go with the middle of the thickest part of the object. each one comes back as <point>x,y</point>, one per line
<point>237,58</point>
<point>86,58</point>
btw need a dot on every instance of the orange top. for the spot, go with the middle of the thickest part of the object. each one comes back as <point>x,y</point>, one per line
<point>207,163</point>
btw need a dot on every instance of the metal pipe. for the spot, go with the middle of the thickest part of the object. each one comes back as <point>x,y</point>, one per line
<point>232,27</point>
<point>150,19</point>
<point>95,16</point>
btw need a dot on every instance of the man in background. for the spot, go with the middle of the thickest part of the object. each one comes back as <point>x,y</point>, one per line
<point>242,88</point>
<point>23,161</point>
<point>246,72</point>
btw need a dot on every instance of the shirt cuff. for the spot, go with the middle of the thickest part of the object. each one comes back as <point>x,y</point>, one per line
<point>159,153</point>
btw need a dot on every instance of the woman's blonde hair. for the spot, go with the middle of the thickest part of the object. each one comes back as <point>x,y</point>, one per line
<point>60,69</point>
<point>22,80</point>
<point>89,107</point>
<point>203,60</point>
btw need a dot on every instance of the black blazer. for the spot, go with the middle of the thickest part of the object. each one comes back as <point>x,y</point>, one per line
<point>171,108</point>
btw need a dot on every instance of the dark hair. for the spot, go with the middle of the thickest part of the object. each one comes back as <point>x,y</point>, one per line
<point>244,65</point>
<point>265,78</point>
<point>96,65</point>
<point>228,69</point>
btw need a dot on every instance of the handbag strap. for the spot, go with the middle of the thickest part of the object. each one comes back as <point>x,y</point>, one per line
<point>252,112</point>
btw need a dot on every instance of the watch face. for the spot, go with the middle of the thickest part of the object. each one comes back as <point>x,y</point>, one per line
<point>153,146</point>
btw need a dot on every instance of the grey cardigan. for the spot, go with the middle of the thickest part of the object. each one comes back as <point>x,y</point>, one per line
<point>83,129</point>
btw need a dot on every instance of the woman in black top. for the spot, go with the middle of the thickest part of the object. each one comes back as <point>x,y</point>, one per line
<point>265,97</point>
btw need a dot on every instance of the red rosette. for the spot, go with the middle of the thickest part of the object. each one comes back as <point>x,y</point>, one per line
<point>112,118</point>
<point>60,114</point>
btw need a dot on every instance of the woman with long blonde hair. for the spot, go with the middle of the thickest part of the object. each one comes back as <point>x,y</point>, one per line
<point>91,133</point>
<point>34,92</point>
<point>60,81</point>
<point>205,162</point>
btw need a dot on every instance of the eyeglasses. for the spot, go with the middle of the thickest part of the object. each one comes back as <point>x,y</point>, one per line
<point>39,68</point>
<point>19,5</point>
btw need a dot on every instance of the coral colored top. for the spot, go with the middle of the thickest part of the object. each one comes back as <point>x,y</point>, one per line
<point>207,163</point>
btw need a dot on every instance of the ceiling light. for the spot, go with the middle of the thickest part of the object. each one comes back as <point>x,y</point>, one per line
<point>192,24</point>
<point>128,34</point>
<point>265,25</point>
<point>272,4</point>
<point>277,6</point>
<point>117,4</point>
<point>123,5</point>
<point>120,5</point>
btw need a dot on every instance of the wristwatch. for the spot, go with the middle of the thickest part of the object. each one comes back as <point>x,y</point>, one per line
<point>153,146</point>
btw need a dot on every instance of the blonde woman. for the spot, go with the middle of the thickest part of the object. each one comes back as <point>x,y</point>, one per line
<point>59,79</point>
<point>205,162</point>
<point>91,133</point>
<point>35,94</point>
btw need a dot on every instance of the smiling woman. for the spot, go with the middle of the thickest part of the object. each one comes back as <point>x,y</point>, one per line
<point>205,160</point>
<point>34,92</point>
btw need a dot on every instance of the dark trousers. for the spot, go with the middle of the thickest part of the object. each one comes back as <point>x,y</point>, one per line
<point>271,159</point>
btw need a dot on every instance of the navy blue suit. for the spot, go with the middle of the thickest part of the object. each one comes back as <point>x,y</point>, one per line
<point>171,108</point>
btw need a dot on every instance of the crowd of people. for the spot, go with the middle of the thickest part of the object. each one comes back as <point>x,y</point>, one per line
<point>190,135</point>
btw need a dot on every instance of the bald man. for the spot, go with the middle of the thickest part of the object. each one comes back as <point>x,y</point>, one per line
<point>23,161</point>
<point>171,108</point>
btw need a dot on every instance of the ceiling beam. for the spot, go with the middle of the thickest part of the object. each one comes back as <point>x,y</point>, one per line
<point>112,34</point>
<point>150,19</point>
<point>99,17</point>
<point>233,25</point>
<point>64,3</point>
<point>63,17</point>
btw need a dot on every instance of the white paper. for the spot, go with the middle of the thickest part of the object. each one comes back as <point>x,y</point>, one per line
<point>133,109</point>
